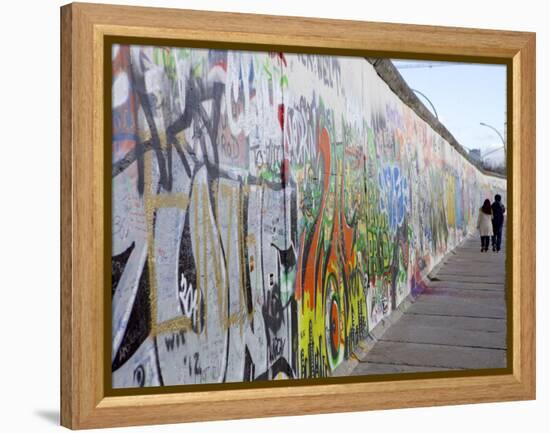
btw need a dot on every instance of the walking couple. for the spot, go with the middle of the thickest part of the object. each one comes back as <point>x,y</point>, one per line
<point>490,222</point>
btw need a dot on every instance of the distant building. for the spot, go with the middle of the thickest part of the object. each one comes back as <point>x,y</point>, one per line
<point>475,154</point>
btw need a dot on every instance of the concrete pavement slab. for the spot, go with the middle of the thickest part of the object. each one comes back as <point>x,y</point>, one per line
<point>372,368</point>
<point>454,322</point>
<point>420,333</point>
<point>435,355</point>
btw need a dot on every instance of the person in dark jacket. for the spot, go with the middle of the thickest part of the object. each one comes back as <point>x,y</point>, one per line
<point>498,222</point>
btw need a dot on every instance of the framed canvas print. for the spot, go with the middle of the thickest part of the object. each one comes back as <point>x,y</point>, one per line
<point>267,215</point>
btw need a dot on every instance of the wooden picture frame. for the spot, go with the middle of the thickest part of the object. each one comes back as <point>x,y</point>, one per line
<point>84,29</point>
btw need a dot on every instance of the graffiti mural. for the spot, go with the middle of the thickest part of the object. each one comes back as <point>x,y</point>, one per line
<point>268,210</point>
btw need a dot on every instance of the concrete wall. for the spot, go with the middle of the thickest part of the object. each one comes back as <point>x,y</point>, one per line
<point>268,211</point>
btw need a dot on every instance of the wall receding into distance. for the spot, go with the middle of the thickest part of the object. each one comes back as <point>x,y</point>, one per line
<point>268,210</point>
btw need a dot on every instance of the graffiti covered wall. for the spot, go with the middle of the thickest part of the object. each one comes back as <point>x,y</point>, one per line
<point>268,210</point>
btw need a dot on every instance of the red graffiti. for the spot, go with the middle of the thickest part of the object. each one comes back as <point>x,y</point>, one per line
<point>279,55</point>
<point>281,113</point>
<point>312,279</point>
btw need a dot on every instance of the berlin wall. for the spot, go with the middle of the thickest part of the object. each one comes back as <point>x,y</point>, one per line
<point>268,211</point>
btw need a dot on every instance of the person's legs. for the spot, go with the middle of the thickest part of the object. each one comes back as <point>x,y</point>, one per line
<point>498,237</point>
<point>484,243</point>
<point>494,237</point>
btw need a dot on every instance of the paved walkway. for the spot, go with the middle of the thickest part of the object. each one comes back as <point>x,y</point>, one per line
<point>459,322</point>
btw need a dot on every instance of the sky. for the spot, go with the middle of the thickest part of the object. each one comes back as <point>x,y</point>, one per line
<point>464,94</point>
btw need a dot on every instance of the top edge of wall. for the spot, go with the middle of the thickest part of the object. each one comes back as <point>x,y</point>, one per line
<point>389,73</point>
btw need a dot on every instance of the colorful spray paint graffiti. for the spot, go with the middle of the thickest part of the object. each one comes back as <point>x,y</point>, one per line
<point>268,210</point>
